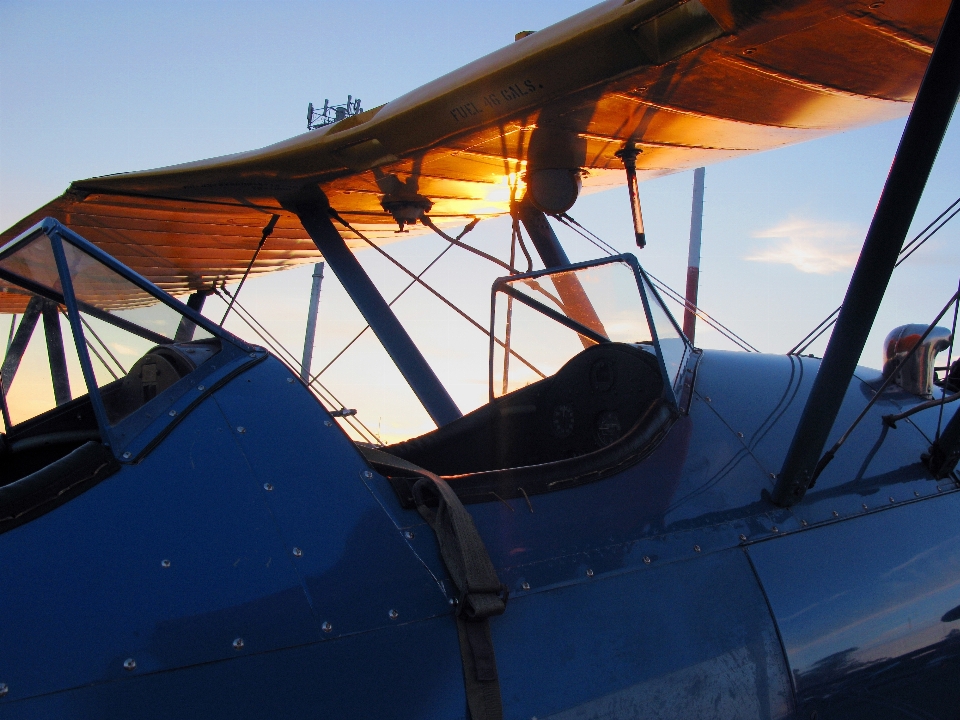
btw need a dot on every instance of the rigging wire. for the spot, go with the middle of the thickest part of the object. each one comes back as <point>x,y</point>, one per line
<point>953,334</point>
<point>267,231</point>
<point>442,298</point>
<point>659,284</point>
<point>906,251</point>
<point>105,347</point>
<point>92,349</point>
<point>288,359</point>
<point>829,454</point>
<point>433,262</point>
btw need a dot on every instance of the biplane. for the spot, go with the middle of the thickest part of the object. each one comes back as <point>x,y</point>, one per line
<point>629,527</point>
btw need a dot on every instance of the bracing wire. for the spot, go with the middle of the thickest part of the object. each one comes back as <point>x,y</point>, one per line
<point>906,251</point>
<point>94,350</point>
<point>953,334</point>
<point>290,360</point>
<point>399,295</point>
<point>676,297</point>
<point>432,290</point>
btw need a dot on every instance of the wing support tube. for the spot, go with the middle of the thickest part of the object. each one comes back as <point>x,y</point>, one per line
<point>409,360</point>
<point>908,175</point>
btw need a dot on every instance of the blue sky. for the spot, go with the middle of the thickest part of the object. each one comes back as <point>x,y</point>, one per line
<point>91,88</point>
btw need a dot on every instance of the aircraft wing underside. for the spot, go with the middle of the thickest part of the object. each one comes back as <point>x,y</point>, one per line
<point>689,83</point>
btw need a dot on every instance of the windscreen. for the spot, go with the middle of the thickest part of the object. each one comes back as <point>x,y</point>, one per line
<point>539,323</point>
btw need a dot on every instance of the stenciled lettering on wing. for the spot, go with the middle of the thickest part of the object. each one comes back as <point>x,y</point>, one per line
<point>504,96</point>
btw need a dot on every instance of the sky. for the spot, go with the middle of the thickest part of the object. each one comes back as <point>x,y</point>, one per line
<point>90,88</point>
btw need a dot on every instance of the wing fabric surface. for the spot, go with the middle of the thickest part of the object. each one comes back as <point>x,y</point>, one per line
<point>690,83</point>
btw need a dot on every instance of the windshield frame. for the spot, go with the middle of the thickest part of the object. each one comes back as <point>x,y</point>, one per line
<point>642,280</point>
<point>127,439</point>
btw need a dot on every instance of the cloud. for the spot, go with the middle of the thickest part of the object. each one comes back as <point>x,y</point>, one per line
<point>811,246</point>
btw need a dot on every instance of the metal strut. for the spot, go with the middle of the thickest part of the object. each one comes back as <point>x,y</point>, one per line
<point>908,175</point>
<point>315,217</point>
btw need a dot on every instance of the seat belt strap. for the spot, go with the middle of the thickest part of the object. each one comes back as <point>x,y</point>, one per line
<point>482,596</point>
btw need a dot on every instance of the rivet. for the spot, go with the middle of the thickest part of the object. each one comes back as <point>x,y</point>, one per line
<point>289,380</point>
<point>164,563</point>
<point>297,552</point>
<point>707,398</point>
<point>201,388</point>
<point>268,487</point>
<point>253,354</point>
<point>773,476</point>
<point>803,522</point>
<point>916,493</point>
<point>393,614</point>
<point>749,51</point>
<point>891,499</point>
<point>126,455</point>
<point>739,434</point>
<point>865,506</point>
<point>238,644</point>
<point>326,627</point>
<point>241,429</point>
<point>876,5</point>
<point>172,413</point>
<point>589,572</point>
<point>775,529</point>
<point>696,548</point>
<point>743,538</point>
<point>836,514</point>
<point>3,689</point>
<point>129,664</point>
<point>525,586</point>
<point>409,535</point>
<point>367,474</point>
<point>327,423</point>
<point>646,559</point>
<point>451,601</point>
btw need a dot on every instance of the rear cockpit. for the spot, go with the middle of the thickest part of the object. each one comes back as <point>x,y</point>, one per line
<point>587,373</point>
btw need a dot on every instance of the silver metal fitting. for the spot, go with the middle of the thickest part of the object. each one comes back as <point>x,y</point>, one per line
<point>238,644</point>
<point>297,552</point>
<point>164,563</point>
<point>326,627</point>
<point>393,614</point>
<point>129,664</point>
<point>589,572</point>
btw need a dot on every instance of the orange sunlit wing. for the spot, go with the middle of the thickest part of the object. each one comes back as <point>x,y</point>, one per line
<point>690,83</point>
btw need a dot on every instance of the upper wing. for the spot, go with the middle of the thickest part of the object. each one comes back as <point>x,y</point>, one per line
<point>690,83</point>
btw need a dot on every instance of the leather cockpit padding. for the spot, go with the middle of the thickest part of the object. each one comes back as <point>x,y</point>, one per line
<point>60,481</point>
